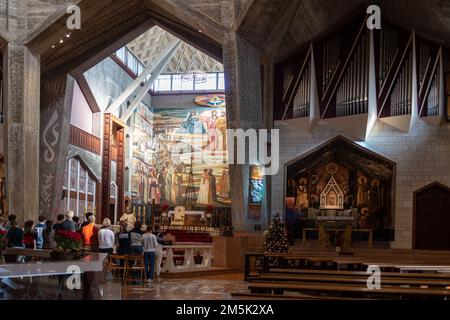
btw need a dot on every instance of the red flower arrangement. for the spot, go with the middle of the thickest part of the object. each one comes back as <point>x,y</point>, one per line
<point>165,207</point>
<point>68,240</point>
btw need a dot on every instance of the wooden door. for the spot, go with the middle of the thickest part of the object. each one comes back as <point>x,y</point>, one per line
<point>432,218</point>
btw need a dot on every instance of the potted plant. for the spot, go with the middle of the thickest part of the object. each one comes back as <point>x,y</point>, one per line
<point>68,246</point>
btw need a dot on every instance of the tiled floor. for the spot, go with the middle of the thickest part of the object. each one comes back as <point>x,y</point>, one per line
<point>216,287</point>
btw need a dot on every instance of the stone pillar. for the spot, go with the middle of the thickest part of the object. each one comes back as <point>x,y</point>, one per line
<point>56,104</point>
<point>22,80</point>
<point>244,111</point>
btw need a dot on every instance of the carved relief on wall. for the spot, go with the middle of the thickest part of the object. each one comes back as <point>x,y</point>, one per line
<point>50,138</point>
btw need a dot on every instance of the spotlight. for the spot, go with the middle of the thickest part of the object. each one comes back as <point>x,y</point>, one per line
<point>68,35</point>
<point>53,46</point>
<point>61,41</point>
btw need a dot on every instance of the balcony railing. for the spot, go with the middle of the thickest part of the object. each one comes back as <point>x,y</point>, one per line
<point>85,140</point>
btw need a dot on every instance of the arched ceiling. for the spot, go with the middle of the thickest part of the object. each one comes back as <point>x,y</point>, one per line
<point>187,58</point>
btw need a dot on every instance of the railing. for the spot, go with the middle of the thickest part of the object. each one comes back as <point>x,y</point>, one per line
<point>84,140</point>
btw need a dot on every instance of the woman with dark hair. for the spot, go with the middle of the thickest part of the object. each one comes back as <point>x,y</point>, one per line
<point>123,239</point>
<point>28,234</point>
<point>49,235</point>
<point>136,246</point>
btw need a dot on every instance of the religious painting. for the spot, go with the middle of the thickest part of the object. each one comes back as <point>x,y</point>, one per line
<point>176,150</point>
<point>256,192</point>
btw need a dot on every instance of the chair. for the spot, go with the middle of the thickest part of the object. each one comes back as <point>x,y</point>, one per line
<point>134,264</point>
<point>118,266</point>
<point>178,216</point>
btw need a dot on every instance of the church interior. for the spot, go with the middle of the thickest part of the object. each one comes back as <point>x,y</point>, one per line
<point>122,120</point>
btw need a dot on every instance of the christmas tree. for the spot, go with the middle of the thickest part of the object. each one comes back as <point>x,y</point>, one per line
<point>276,237</point>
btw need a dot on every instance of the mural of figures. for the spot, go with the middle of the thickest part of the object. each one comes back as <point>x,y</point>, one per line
<point>168,143</point>
<point>291,190</point>
<point>374,195</point>
<point>301,201</point>
<point>361,195</point>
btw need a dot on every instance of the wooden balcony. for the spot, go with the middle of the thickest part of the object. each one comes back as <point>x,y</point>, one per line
<point>85,140</point>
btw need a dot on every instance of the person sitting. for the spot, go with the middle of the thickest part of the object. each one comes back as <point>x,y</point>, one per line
<point>136,247</point>
<point>15,236</point>
<point>49,236</point>
<point>68,224</point>
<point>90,235</point>
<point>123,240</point>
<point>38,232</point>
<point>28,234</point>
<point>106,238</point>
<point>59,221</point>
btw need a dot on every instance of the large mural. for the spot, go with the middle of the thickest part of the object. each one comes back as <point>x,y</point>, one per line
<point>170,144</point>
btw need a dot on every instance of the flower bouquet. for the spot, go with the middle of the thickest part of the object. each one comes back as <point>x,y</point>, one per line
<point>68,245</point>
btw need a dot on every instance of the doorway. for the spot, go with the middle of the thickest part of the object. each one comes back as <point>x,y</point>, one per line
<point>432,217</point>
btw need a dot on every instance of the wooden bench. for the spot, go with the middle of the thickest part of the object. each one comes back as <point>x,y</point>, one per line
<point>40,254</point>
<point>354,279</point>
<point>368,231</point>
<point>279,289</point>
<point>359,273</point>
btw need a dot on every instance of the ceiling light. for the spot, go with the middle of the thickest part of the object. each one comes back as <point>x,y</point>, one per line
<point>53,46</point>
<point>61,41</point>
<point>68,35</point>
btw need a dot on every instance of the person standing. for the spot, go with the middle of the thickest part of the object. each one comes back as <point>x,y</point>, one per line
<point>123,240</point>
<point>76,220</point>
<point>38,231</point>
<point>15,236</point>
<point>11,219</point>
<point>159,249</point>
<point>48,236</point>
<point>106,238</point>
<point>68,224</point>
<point>28,234</point>
<point>2,224</point>
<point>136,247</point>
<point>59,220</point>
<point>86,220</point>
<point>90,235</point>
<point>150,245</point>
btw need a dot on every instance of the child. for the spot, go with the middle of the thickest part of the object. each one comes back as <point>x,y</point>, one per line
<point>150,245</point>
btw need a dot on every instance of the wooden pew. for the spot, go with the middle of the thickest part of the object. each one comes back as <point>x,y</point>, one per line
<point>354,279</point>
<point>359,273</point>
<point>385,292</point>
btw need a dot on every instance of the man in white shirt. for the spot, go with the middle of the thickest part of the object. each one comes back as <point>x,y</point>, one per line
<point>106,238</point>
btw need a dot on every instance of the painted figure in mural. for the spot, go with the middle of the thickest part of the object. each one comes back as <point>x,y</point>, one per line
<point>361,195</point>
<point>192,124</point>
<point>211,126</point>
<point>315,194</point>
<point>162,183</point>
<point>169,184</point>
<point>203,194</point>
<point>301,202</point>
<point>221,125</point>
<point>175,186</point>
<point>291,188</point>
<point>155,193</point>
<point>212,186</point>
<point>224,184</point>
<point>374,195</point>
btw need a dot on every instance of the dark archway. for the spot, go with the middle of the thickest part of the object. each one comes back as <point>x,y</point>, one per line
<point>431,226</point>
<point>360,181</point>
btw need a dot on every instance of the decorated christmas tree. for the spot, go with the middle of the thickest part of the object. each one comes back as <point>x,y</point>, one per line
<point>276,237</point>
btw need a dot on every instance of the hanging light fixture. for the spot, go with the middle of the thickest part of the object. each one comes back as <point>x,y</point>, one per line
<point>195,76</point>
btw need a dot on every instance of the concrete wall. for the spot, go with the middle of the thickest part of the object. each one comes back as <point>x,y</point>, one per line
<point>421,156</point>
<point>81,115</point>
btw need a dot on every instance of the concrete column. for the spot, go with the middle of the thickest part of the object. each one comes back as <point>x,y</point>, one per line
<point>244,111</point>
<point>22,80</point>
<point>56,106</point>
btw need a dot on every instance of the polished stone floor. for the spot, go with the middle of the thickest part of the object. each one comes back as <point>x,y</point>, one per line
<point>214,287</point>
